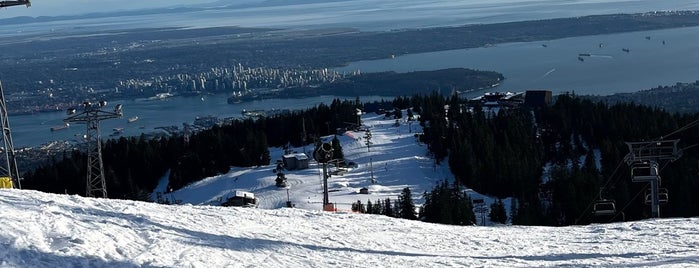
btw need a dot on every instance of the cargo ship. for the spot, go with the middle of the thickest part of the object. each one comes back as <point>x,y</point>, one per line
<point>57,128</point>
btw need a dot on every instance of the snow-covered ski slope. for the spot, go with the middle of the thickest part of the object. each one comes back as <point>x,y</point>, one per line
<point>48,230</point>
<point>395,159</point>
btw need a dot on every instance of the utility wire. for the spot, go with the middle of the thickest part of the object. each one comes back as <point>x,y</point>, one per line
<point>609,180</point>
<point>629,203</point>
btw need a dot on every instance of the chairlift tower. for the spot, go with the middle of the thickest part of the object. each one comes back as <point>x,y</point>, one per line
<point>323,154</point>
<point>10,170</point>
<point>91,115</point>
<point>645,159</point>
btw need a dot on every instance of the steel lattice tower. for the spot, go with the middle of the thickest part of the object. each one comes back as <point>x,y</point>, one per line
<point>11,170</point>
<point>644,158</point>
<point>91,116</point>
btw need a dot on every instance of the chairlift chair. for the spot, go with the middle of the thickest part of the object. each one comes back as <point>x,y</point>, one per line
<point>662,196</point>
<point>644,171</point>
<point>604,207</point>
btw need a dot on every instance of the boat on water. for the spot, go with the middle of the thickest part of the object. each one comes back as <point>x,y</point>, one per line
<point>57,128</point>
<point>132,119</point>
<point>581,59</point>
<point>584,54</point>
<point>117,131</point>
<point>253,113</point>
<point>625,50</point>
<point>235,99</point>
<point>161,96</point>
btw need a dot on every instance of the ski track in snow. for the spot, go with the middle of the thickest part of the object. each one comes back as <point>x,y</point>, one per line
<point>48,230</point>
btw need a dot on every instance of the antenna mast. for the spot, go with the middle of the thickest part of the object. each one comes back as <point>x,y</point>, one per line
<point>91,116</point>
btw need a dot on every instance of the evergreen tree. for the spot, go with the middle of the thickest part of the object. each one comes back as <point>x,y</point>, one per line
<point>448,205</point>
<point>406,205</point>
<point>367,139</point>
<point>280,180</point>
<point>497,212</point>
<point>337,149</point>
<point>388,208</point>
<point>397,113</point>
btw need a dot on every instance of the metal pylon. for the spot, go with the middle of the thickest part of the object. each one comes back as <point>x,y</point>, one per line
<point>644,159</point>
<point>10,170</point>
<point>91,116</point>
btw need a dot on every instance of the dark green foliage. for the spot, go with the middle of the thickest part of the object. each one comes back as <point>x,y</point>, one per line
<point>367,140</point>
<point>358,207</point>
<point>497,154</point>
<point>133,166</point>
<point>388,208</point>
<point>583,142</point>
<point>419,82</point>
<point>337,149</point>
<point>280,181</point>
<point>406,207</point>
<point>447,204</point>
<point>497,212</point>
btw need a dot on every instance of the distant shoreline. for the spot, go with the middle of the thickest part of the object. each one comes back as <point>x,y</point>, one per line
<point>106,61</point>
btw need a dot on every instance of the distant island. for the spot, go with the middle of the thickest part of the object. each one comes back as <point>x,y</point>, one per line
<point>444,81</point>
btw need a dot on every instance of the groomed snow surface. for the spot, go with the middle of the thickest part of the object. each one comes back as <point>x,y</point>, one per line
<point>48,230</point>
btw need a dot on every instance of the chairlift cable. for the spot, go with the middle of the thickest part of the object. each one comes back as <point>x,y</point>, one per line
<point>685,127</point>
<point>689,147</point>
<point>609,180</point>
<point>629,203</point>
<point>599,194</point>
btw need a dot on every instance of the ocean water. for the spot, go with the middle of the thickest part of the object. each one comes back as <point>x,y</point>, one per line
<point>34,129</point>
<point>366,15</point>
<point>525,65</point>
<point>667,57</point>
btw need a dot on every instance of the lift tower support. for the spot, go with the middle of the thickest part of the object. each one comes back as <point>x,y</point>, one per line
<point>91,115</point>
<point>323,154</point>
<point>12,171</point>
<point>645,159</point>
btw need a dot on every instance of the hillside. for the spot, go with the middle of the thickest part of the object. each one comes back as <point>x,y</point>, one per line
<point>48,230</point>
<point>397,159</point>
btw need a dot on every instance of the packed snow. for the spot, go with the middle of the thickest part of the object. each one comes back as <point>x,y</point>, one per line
<point>395,160</point>
<point>49,230</point>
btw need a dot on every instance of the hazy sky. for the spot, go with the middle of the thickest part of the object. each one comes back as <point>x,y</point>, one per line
<point>71,7</point>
